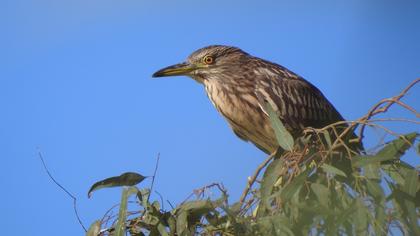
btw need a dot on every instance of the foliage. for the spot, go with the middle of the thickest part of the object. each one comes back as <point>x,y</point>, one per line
<point>313,200</point>
<point>125,179</point>
<point>320,186</point>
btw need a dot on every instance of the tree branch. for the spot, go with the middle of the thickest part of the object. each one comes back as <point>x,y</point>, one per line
<point>64,189</point>
<point>254,177</point>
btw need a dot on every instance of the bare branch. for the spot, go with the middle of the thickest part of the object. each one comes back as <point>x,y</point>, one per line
<point>161,200</point>
<point>154,175</point>
<point>254,177</point>
<point>64,189</point>
<point>200,191</point>
<point>389,102</point>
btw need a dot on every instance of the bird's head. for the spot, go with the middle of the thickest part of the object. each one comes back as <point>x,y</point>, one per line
<point>207,62</point>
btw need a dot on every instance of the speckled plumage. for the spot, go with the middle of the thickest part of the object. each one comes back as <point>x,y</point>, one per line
<point>238,85</point>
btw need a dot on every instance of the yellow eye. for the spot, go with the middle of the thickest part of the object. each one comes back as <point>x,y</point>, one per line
<point>208,60</point>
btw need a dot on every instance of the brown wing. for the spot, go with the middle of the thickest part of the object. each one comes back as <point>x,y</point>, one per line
<point>298,103</point>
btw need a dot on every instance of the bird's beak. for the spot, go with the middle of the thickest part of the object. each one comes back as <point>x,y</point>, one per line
<point>178,69</point>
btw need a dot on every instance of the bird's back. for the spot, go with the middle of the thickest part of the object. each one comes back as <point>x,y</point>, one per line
<point>298,103</point>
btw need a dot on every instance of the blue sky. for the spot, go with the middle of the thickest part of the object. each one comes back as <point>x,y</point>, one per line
<point>75,82</point>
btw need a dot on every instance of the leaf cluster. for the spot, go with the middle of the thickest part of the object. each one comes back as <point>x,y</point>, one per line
<point>378,196</point>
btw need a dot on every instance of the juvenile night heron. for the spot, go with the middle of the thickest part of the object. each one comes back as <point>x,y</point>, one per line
<point>239,84</point>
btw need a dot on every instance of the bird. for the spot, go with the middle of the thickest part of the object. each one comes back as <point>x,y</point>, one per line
<point>239,85</point>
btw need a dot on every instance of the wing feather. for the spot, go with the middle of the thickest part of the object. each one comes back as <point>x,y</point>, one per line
<point>297,102</point>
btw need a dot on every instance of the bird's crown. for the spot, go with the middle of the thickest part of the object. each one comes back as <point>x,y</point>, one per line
<point>213,52</point>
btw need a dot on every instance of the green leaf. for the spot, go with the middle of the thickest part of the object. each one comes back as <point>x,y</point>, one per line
<point>182,223</point>
<point>391,151</point>
<point>162,230</point>
<point>270,177</point>
<point>190,213</point>
<point>393,171</point>
<point>273,225</point>
<point>287,192</point>
<point>372,171</point>
<point>411,182</point>
<point>198,205</point>
<point>94,229</point>
<point>284,138</point>
<point>360,161</point>
<point>156,205</point>
<point>143,196</point>
<point>375,189</point>
<point>344,215</point>
<point>404,198</point>
<point>327,138</point>
<point>170,219</point>
<point>126,179</point>
<point>122,215</point>
<point>150,219</point>
<point>332,170</point>
<point>401,213</point>
<point>322,193</point>
<point>380,226</point>
<point>360,218</point>
<point>398,147</point>
<point>410,188</point>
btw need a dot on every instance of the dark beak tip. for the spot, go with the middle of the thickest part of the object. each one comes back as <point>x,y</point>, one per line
<point>174,70</point>
<point>159,73</point>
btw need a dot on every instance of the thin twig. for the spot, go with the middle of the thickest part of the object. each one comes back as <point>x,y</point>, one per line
<point>255,176</point>
<point>395,119</point>
<point>188,197</point>
<point>154,175</point>
<point>161,200</point>
<point>381,107</point>
<point>408,108</point>
<point>200,191</point>
<point>64,189</point>
<point>378,109</point>
<point>248,205</point>
<point>109,212</point>
<point>170,204</point>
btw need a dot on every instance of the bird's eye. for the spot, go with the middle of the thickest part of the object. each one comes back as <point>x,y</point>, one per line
<point>208,60</point>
